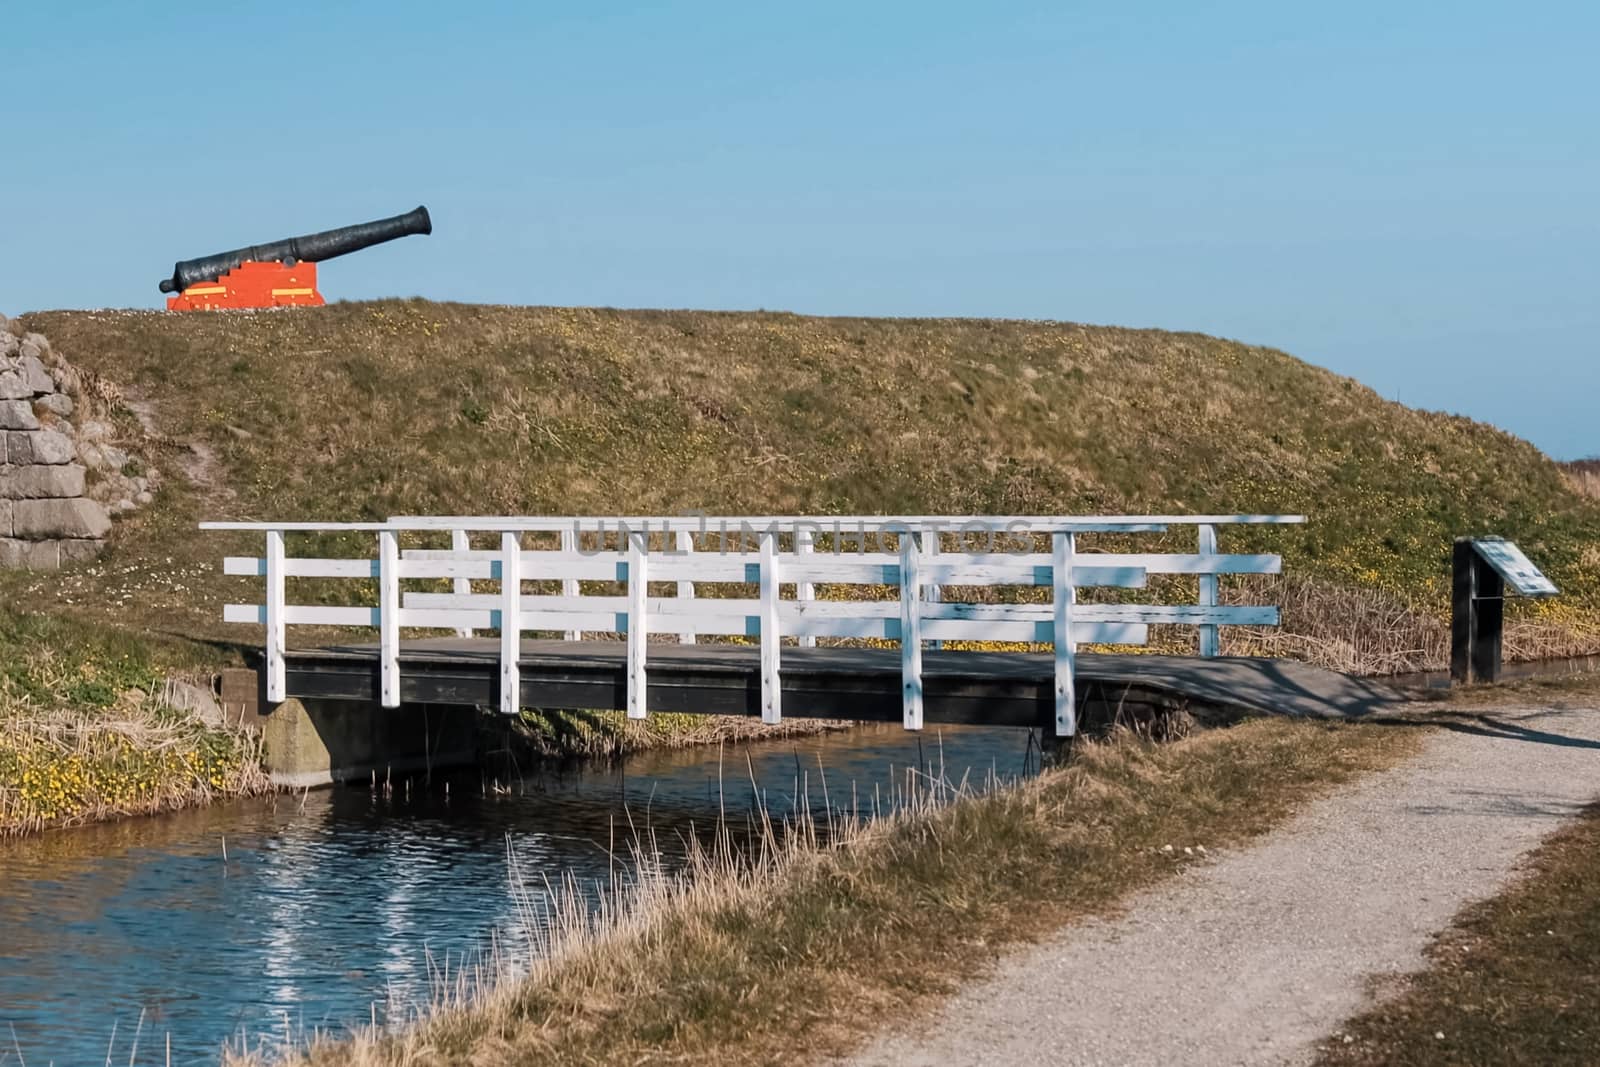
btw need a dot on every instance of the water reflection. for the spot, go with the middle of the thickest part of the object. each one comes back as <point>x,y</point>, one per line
<point>249,919</point>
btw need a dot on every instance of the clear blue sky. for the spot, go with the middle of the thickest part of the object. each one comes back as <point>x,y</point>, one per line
<point>1406,193</point>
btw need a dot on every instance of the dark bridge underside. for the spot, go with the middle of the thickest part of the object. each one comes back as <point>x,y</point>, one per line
<point>993,688</point>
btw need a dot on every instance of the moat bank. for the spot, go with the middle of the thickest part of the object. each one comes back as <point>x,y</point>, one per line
<point>326,908</point>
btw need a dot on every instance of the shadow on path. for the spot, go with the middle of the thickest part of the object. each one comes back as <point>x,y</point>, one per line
<point>1503,726</point>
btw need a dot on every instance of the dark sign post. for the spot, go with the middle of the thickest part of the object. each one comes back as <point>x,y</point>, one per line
<point>1483,569</point>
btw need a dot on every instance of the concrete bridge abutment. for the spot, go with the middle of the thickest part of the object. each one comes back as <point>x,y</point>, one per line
<point>314,742</point>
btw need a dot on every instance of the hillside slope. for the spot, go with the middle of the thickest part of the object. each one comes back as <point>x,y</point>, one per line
<point>362,410</point>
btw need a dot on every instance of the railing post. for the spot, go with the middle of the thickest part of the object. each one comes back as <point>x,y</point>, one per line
<point>804,591</point>
<point>510,623</point>
<point>277,680</point>
<point>771,635</point>
<point>1066,648</point>
<point>638,625</point>
<point>569,586</point>
<point>685,542</point>
<point>1209,643</point>
<point>460,542</point>
<point>930,548</point>
<point>389,618</point>
<point>910,631</point>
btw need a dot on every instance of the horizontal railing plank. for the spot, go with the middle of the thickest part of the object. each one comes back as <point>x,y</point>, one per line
<point>304,615</point>
<point>795,568</point>
<point>740,625</point>
<point>715,525</point>
<point>735,616</point>
<point>845,568</point>
<point>536,565</point>
<point>1186,614</point>
<point>730,623</point>
<point>948,524</point>
<point>1191,563</point>
<point>303,567</point>
<point>714,609</point>
<point>734,524</point>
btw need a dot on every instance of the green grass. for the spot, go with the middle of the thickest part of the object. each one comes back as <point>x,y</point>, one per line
<point>362,410</point>
<point>1515,981</point>
<point>50,660</point>
<point>84,734</point>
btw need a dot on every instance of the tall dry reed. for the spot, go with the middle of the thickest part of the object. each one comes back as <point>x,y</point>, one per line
<point>1372,631</point>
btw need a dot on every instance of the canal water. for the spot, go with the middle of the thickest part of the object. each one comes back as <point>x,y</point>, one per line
<point>245,921</point>
<point>1566,667</point>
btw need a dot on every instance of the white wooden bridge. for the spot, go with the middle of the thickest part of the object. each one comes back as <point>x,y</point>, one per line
<point>886,596</point>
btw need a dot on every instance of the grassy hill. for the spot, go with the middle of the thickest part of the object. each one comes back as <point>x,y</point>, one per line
<point>362,410</point>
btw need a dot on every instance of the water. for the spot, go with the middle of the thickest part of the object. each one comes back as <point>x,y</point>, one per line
<point>1537,668</point>
<point>330,908</point>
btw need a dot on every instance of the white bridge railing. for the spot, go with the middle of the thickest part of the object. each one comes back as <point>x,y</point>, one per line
<point>784,558</point>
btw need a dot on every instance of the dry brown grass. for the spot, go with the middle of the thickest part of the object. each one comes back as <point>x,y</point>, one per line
<point>1584,474</point>
<point>1374,631</point>
<point>1577,690</point>
<point>801,950</point>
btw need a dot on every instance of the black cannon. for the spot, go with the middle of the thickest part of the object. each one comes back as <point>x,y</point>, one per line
<point>312,248</point>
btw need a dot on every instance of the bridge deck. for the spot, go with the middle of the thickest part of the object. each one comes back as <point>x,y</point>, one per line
<point>995,688</point>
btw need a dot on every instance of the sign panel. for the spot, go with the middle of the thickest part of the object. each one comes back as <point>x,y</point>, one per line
<point>1520,574</point>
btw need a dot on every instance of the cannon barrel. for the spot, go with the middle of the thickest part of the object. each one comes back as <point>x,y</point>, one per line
<point>312,248</point>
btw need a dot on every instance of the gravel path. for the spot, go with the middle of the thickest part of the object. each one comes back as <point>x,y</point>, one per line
<point>1257,956</point>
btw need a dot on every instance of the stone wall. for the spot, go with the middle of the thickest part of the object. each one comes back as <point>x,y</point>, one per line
<point>53,506</point>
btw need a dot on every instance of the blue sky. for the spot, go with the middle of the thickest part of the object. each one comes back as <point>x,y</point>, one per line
<point>1404,193</point>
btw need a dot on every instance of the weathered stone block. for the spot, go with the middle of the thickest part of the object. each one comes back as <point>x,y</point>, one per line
<point>17,415</point>
<point>48,447</point>
<point>59,404</point>
<point>48,555</point>
<point>40,482</point>
<point>68,379</point>
<point>54,519</point>
<point>186,696</point>
<point>13,386</point>
<point>5,518</point>
<point>35,376</point>
<point>33,345</point>
<point>76,550</point>
<point>53,447</point>
<point>95,430</point>
<point>28,555</point>
<point>8,342</point>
